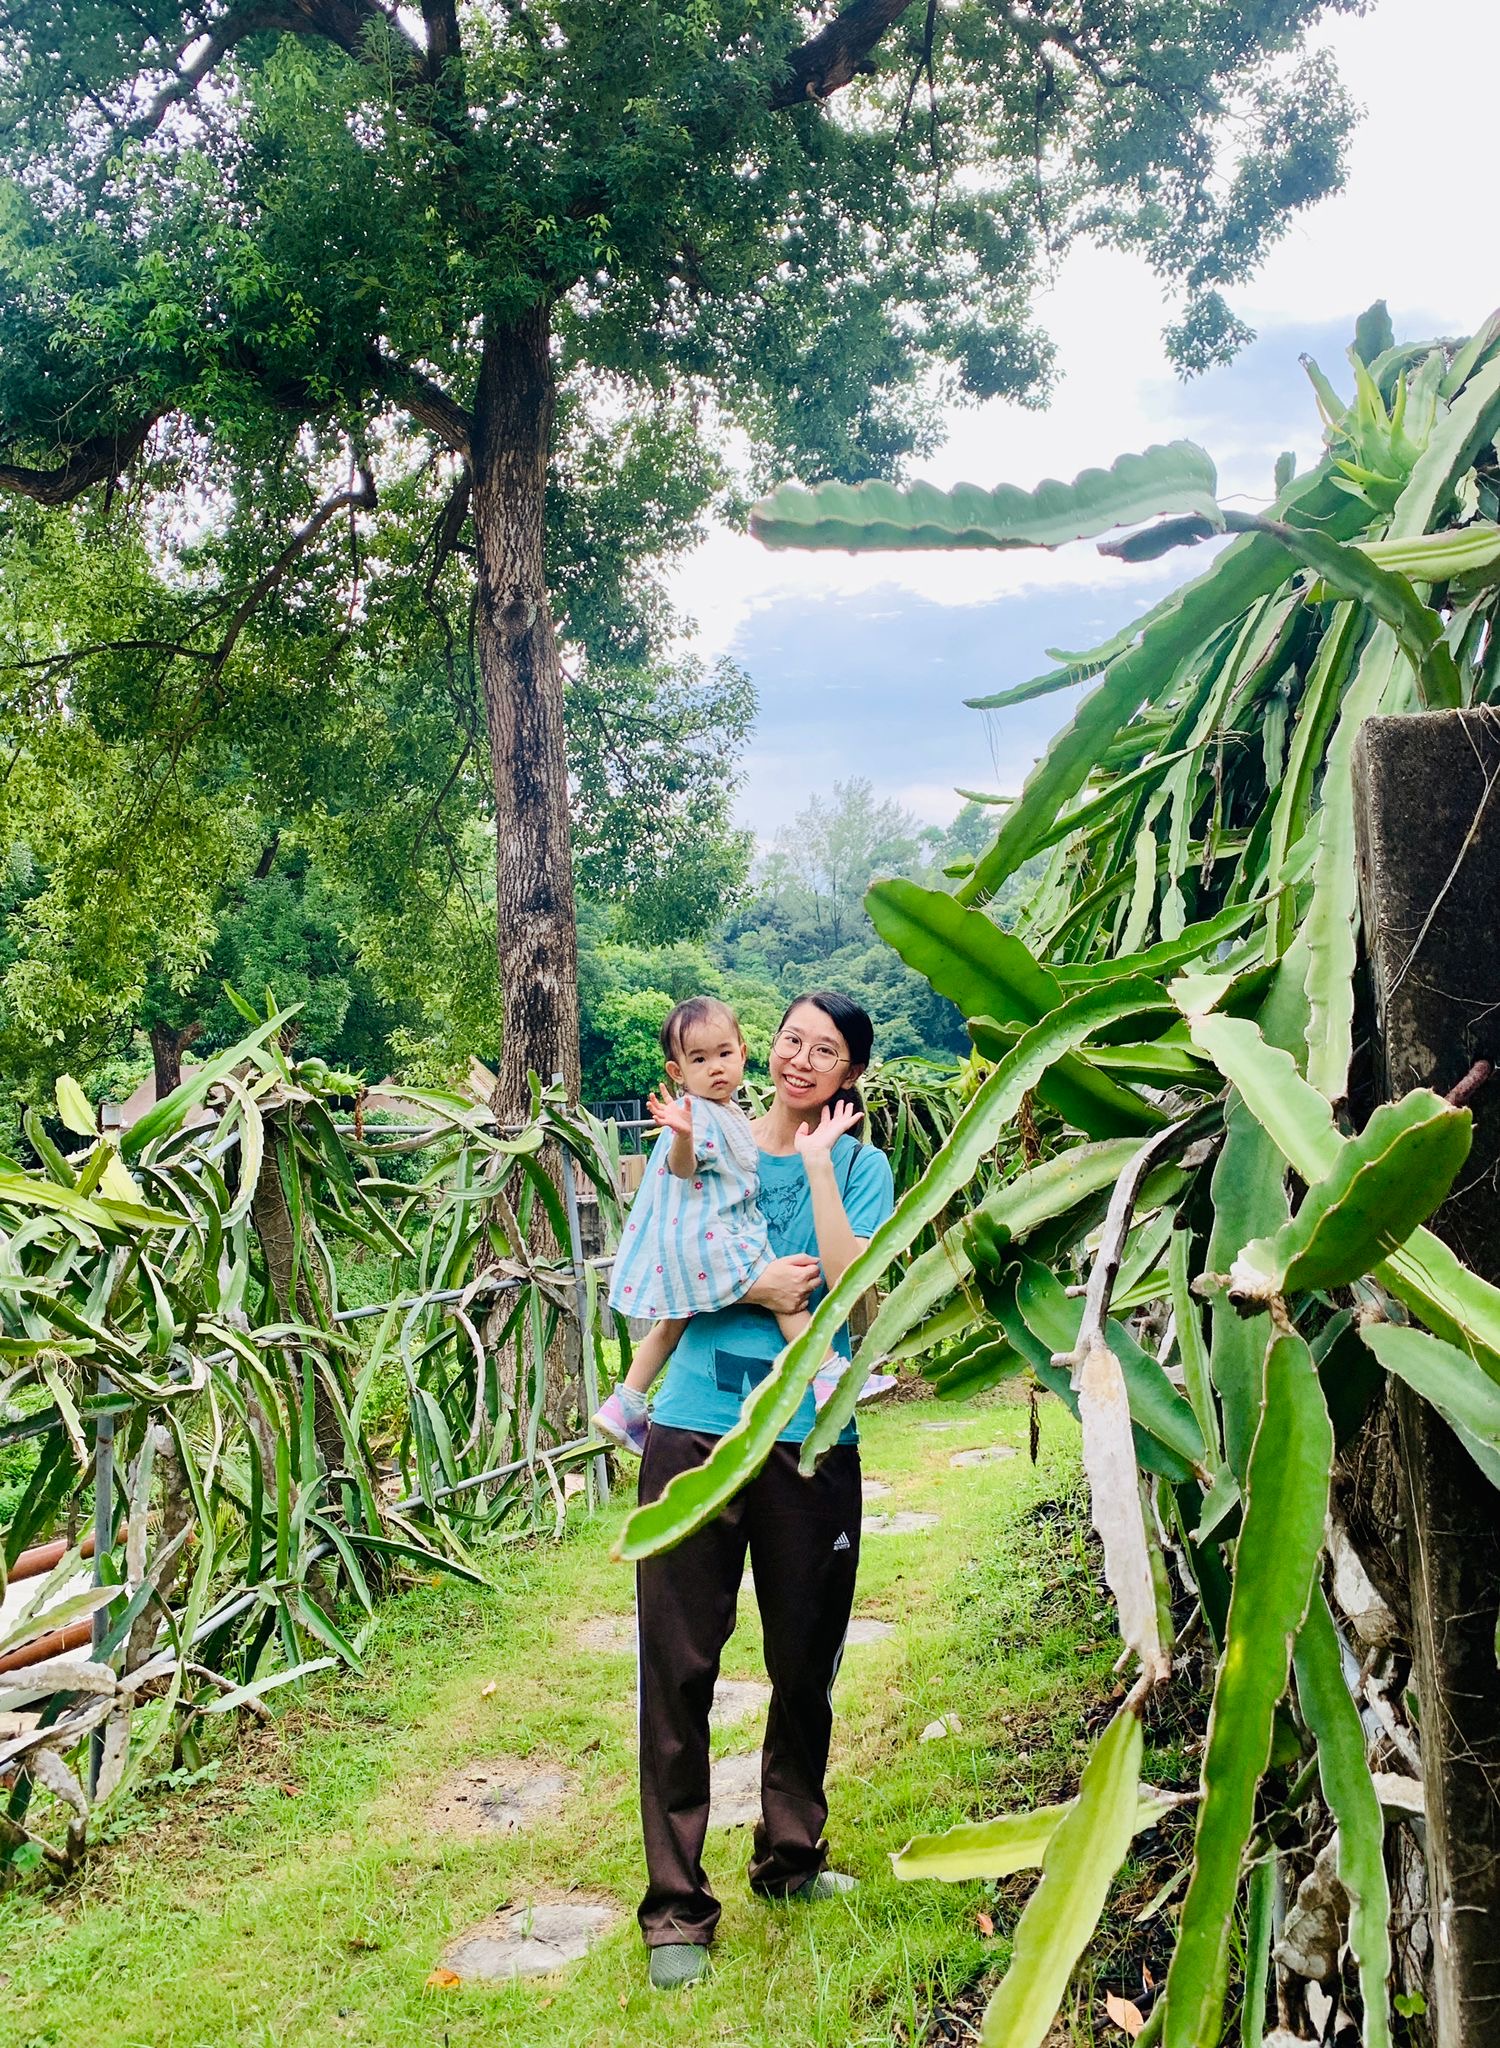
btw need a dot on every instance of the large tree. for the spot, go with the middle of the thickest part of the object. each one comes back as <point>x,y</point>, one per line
<point>273,259</point>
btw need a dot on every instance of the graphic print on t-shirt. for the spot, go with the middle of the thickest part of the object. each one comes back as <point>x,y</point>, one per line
<point>780,1199</point>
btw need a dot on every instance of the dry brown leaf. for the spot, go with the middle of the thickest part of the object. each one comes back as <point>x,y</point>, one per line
<point>1115,1498</point>
<point>362,1942</point>
<point>291,1791</point>
<point>986,1925</point>
<point>488,1692</point>
<point>1124,2014</point>
<point>442,1980</point>
<point>624,2002</point>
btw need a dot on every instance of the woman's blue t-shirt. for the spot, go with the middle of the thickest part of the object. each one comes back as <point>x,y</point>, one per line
<point>722,1355</point>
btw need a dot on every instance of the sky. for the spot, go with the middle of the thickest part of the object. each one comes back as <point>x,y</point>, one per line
<point>862,663</point>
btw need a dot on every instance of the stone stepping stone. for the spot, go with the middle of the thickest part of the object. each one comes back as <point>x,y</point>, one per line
<point>528,1941</point>
<point>937,1428</point>
<point>501,1797</point>
<point>875,1489</point>
<point>736,1700</point>
<point>985,1455</point>
<point>734,1791</point>
<point>906,1523</point>
<point>866,1629</point>
<point>608,1635</point>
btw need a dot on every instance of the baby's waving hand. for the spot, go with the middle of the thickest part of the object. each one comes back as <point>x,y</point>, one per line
<point>822,1136</point>
<point>672,1112</point>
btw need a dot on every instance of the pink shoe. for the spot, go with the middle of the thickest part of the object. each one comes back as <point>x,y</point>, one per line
<point>628,1431</point>
<point>876,1384</point>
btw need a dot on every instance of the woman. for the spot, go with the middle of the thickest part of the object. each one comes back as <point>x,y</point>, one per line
<point>823,1193</point>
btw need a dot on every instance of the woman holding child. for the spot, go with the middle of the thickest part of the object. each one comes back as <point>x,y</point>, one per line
<point>740,1227</point>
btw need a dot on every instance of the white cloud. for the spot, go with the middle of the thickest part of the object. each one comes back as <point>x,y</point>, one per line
<point>935,803</point>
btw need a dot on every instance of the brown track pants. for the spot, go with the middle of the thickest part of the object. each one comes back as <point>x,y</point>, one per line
<point>802,1536</point>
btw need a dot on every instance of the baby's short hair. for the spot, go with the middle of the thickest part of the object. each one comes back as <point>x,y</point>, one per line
<point>696,1010</point>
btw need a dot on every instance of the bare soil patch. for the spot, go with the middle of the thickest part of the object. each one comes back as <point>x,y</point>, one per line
<point>500,1796</point>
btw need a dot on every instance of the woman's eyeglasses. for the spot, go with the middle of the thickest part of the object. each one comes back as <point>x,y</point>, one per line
<point>823,1059</point>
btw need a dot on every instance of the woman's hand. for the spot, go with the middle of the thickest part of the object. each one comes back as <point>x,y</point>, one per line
<point>785,1285</point>
<point>818,1140</point>
<point>673,1113</point>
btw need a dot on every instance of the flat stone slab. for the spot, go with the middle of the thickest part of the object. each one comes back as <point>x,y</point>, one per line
<point>985,1455</point>
<point>500,1797</point>
<point>734,1791</point>
<point>937,1428</point>
<point>906,1523</point>
<point>866,1629</point>
<point>874,1489</point>
<point>528,1941</point>
<point>609,1635</point>
<point>736,1700</point>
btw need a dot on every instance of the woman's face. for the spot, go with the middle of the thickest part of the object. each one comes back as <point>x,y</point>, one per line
<point>809,1060</point>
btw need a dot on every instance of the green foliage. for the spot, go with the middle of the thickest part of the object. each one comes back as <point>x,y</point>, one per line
<point>1196,818</point>
<point>184,1282</point>
<point>319,831</point>
<point>628,1025</point>
<point>996,1848</point>
<point>1178,478</point>
<point>1286,1502</point>
<point>1388,1180</point>
<point>1078,1867</point>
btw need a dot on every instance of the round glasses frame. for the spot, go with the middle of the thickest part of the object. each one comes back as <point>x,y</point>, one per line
<point>823,1059</point>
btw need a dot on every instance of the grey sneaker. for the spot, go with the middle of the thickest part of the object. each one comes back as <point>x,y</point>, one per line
<point>677,1964</point>
<point>828,1884</point>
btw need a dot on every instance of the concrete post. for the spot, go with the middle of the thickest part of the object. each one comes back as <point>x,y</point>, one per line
<point>1428,822</point>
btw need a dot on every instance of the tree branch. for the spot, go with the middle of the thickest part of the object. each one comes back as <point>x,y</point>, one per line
<point>101,456</point>
<point>343,22</point>
<point>426,401</point>
<point>361,494</point>
<point>838,53</point>
<point>210,45</point>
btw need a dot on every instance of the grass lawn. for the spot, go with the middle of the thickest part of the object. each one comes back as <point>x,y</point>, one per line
<point>299,1892</point>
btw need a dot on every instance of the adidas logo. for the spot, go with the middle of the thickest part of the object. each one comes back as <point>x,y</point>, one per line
<point>843,1540</point>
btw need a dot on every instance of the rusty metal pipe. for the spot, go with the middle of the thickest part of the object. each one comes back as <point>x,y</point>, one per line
<point>55,1643</point>
<point>45,1557</point>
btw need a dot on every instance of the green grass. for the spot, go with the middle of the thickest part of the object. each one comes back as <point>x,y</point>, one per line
<point>298,1894</point>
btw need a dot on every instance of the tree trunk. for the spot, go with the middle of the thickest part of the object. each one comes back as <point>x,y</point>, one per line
<point>167,1048</point>
<point>1429,853</point>
<point>521,673</point>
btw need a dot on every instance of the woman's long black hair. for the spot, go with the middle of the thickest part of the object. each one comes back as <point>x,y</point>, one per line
<point>855,1028</point>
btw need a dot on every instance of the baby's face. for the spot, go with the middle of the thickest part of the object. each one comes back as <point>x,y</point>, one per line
<point>710,1061</point>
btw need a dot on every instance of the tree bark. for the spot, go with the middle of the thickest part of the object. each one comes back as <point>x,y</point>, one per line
<point>1429,854</point>
<point>521,675</point>
<point>167,1048</point>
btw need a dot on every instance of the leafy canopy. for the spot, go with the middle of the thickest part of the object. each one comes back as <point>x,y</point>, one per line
<point>261,214</point>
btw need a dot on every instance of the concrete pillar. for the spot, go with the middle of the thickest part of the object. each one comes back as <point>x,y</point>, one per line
<point>1428,823</point>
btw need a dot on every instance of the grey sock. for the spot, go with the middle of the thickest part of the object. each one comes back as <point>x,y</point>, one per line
<point>677,1963</point>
